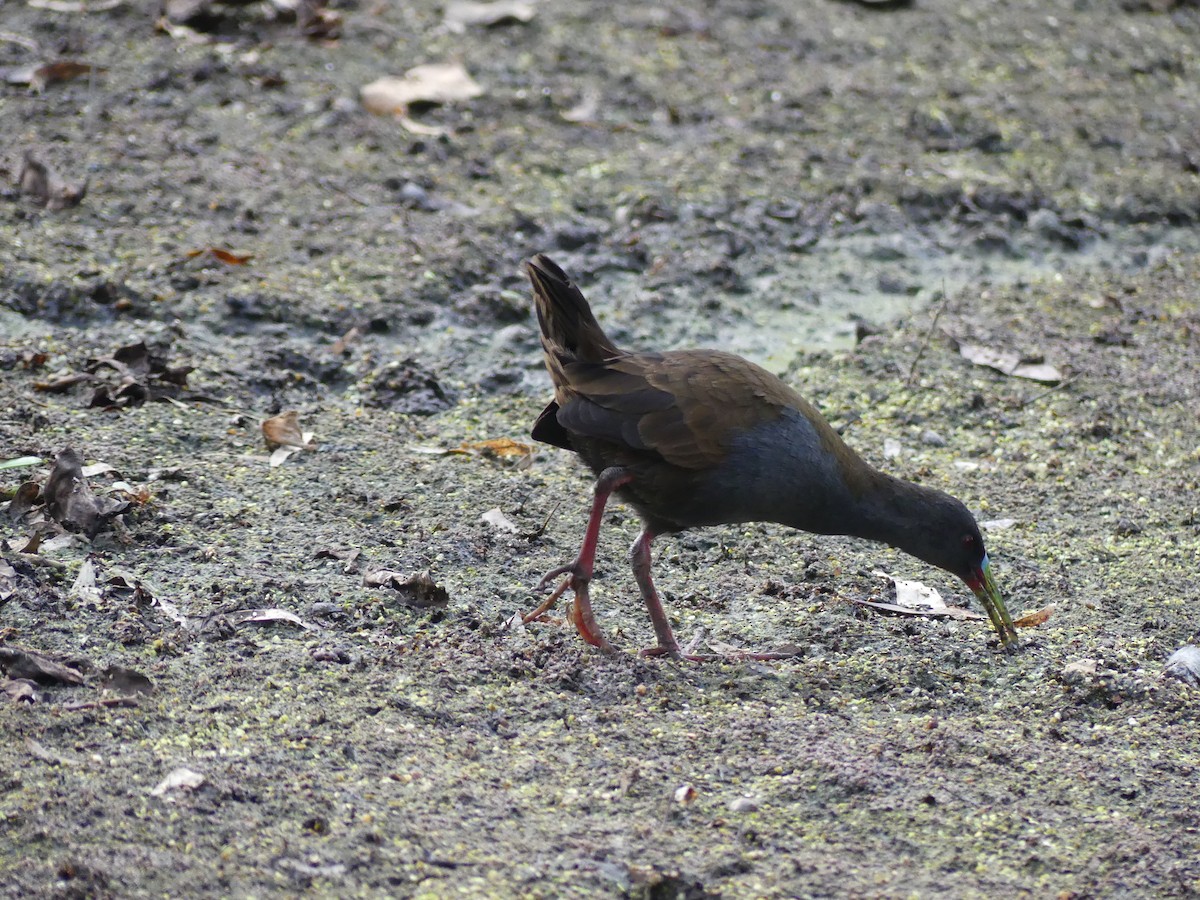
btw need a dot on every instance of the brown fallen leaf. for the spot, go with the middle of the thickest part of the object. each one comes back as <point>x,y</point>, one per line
<point>63,70</point>
<point>22,663</point>
<point>418,591</point>
<point>225,256</point>
<point>125,681</point>
<point>20,690</point>
<point>1033,619</point>
<point>283,430</point>
<point>106,703</point>
<point>500,448</point>
<point>24,500</point>
<point>62,382</point>
<point>71,503</point>
<point>46,188</point>
<point>348,558</point>
<point>430,84</point>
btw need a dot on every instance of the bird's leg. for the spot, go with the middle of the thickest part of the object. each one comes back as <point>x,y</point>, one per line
<point>639,557</point>
<point>579,570</point>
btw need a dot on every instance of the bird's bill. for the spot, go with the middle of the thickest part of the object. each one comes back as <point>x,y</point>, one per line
<point>985,589</point>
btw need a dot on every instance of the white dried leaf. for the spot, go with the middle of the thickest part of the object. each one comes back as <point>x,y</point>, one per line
<point>499,520</point>
<point>179,779</point>
<point>430,83</point>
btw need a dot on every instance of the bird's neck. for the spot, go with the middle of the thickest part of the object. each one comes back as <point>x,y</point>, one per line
<point>891,511</point>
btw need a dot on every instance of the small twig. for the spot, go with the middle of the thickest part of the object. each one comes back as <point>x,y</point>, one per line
<point>108,703</point>
<point>1046,393</point>
<point>539,531</point>
<point>941,307</point>
<point>10,37</point>
<point>345,192</point>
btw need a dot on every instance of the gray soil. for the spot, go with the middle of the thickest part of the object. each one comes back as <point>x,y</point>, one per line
<point>843,193</point>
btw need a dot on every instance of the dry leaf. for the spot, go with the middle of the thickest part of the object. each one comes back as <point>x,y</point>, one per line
<point>461,13</point>
<point>84,589</point>
<point>1184,664</point>
<point>283,434</point>
<point>1033,619</point>
<point>70,502</point>
<point>262,616</point>
<point>225,256</point>
<point>46,188</point>
<point>40,751</point>
<point>433,83</point>
<point>997,524</point>
<point>912,598</point>
<point>419,591</point>
<point>20,690</point>
<point>24,500</point>
<point>179,779</point>
<point>126,681</point>
<point>502,448</point>
<point>64,70</point>
<point>499,520</point>
<point>1009,362</point>
<point>21,663</point>
<point>8,580</point>
<point>685,794</point>
<point>582,112</point>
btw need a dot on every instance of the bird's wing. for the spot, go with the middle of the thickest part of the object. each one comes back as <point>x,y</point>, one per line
<point>685,406</point>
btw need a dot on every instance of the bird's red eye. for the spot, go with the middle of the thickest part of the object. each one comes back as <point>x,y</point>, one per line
<point>968,540</point>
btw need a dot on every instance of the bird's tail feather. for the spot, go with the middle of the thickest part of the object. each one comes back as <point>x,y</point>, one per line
<point>568,327</point>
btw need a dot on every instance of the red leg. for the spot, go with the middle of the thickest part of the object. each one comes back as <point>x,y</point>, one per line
<point>579,570</point>
<point>639,556</point>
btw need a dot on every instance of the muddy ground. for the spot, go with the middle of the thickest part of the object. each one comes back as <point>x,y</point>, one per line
<point>748,174</point>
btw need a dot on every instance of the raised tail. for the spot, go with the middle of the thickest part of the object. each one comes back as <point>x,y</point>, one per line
<point>569,330</point>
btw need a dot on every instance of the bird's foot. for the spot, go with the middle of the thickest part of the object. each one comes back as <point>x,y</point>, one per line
<point>548,604</point>
<point>580,614</point>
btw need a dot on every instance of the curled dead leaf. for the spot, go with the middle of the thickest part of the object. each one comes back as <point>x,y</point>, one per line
<point>46,188</point>
<point>1010,363</point>
<point>419,591</point>
<point>499,521</point>
<point>225,256</point>
<point>283,430</point>
<point>178,779</point>
<point>433,83</point>
<point>70,502</point>
<point>500,448</point>
<point>22,663</point>
<point>1033,619</point>
<point>461,13</point>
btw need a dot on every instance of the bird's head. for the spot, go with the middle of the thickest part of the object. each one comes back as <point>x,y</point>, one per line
<point>945,534</point>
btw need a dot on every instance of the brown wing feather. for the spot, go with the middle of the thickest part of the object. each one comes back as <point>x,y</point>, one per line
<point>684,406</point>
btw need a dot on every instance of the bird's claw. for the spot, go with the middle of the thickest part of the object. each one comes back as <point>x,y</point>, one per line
<point>580,613</point>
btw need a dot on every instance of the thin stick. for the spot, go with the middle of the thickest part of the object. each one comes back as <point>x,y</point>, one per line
<point>1046,393</point>
<point>941,307</point>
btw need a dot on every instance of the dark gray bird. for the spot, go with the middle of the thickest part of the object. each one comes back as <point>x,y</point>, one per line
<point>703,437</point>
